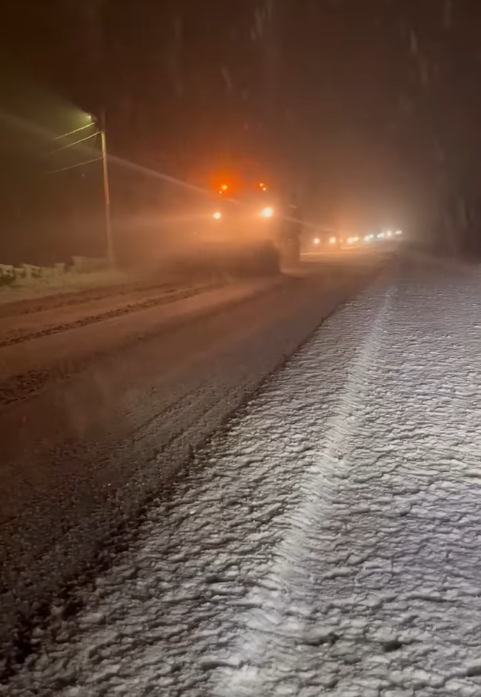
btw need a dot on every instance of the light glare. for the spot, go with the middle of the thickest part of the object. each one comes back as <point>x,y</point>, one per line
<point>267,212</point>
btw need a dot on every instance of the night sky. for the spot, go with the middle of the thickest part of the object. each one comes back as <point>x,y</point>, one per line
<point>370,108</point>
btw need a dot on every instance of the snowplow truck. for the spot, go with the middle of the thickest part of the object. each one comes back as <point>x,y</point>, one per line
<point>245,230</point>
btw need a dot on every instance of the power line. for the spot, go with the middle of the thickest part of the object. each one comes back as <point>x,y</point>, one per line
<point>80,164</point>
<point>77,142</point>
<point>82,128</point>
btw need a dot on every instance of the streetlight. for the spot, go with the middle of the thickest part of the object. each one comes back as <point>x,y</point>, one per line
<point>105,172</point>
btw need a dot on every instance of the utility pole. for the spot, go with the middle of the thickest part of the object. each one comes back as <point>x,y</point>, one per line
<point>105,170</point>
<point>108,221</point>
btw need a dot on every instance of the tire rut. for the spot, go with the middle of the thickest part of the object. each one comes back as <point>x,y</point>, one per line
<point>164,299</point>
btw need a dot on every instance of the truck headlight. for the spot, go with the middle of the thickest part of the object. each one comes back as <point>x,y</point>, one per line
<point>267,212</point>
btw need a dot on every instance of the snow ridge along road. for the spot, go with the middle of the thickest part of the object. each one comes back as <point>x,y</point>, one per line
<point>329,544</point>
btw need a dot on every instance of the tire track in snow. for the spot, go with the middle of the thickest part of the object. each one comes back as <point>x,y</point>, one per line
<point>380,598</point>
<point>250,672</point>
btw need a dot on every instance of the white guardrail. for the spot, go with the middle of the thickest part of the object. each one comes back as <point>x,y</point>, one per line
<point>9,274</point>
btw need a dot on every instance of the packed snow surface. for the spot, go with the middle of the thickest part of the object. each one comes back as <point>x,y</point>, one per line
<point>329,543</point>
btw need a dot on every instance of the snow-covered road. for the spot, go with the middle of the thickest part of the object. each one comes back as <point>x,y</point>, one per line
<point>329,542</point>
